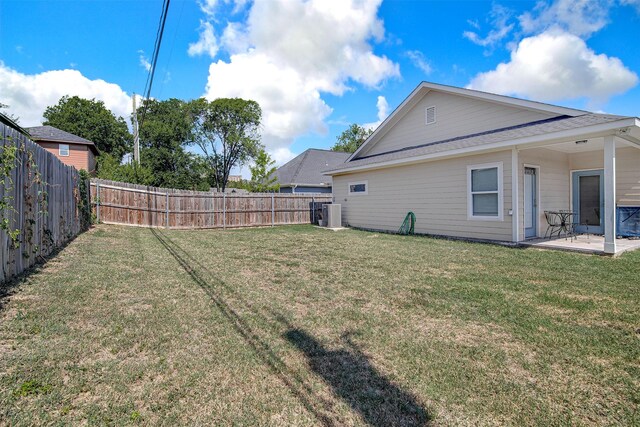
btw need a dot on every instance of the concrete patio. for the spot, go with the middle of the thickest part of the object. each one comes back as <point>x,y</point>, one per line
<point>592,244</point>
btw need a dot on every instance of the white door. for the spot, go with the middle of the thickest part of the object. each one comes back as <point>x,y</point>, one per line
<point>530,203</point>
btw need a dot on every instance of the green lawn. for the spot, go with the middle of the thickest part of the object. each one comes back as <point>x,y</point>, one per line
<point>302,326</point>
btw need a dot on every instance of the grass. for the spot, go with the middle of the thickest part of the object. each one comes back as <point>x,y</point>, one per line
<point>302,326</point>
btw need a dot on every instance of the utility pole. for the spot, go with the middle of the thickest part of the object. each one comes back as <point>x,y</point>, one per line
<point>136,136</point>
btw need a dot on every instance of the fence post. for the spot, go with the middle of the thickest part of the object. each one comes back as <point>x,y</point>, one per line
<point>98,202</point>
<point>272,209</point>
<point>313,209</point>
<point>224,211</point>
<point>167,209</point>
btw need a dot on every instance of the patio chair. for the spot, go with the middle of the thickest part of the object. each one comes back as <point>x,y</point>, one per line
<point>553,220</point>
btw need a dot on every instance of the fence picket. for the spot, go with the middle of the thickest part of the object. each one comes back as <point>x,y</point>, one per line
<point>138,205</point>
<point>43,227</point>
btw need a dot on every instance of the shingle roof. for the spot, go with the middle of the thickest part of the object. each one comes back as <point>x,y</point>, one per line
<point>50,133</point>
<point>8,121</point>
<point>539,127</point>
<point>307,168</point>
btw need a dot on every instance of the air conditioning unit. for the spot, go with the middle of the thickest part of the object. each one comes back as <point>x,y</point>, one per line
<point>331,216</point>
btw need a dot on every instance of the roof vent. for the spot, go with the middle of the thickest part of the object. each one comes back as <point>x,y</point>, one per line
<point>430,114</point>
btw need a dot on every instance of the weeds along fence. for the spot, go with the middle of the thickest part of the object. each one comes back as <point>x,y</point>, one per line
<point>137,205</point>
<point>40,203</point>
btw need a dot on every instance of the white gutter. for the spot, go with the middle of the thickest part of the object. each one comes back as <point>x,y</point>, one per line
<point>526,142</point>
<point>309,185</point>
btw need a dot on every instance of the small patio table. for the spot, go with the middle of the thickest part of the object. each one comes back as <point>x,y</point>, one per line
<point>565,222</point>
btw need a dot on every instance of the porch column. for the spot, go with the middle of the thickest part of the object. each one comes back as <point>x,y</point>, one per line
<point>610,194</point>
<point>515,199</point>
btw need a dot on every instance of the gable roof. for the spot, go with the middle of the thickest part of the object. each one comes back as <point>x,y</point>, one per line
<point>53,134</point>
<point>425,87</point>
<point>547,128</point>
<point>307,168</point>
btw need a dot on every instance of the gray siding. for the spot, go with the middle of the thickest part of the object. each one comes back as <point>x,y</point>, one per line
<point>554,182</point>
<point>455,116</point>
<point>555,178</point>
<point>627,172</point>
<point>435,191</point>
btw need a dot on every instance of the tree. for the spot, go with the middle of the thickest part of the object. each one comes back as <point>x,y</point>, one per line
<point>352,138</point>
<point>11,117</point>
<point>164,132</point>
<point>263,177</point>
<point>227,132</point>
<point>90,119</point>
<point>109,167</point>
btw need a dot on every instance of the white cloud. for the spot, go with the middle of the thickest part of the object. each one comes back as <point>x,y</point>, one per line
<point>282,155</point>
<point>579,17</point>
<point>206,44</point>
<point>28,95</point>
<point>234,39</point>
<point>634,3</point>
<point>499,19</point>
<point>144,61</point>
<point>208,6</point>
<point>556,65</point>
<point>289,52</point>
<point>383,111</point>
<point>290,107</point>
<point>417,58</point>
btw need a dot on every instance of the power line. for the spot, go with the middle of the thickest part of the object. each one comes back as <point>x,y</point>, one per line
<point>173,42</point>
<point>154,58</point>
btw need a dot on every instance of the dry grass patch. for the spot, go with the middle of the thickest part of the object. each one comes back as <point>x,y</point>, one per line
<point>297,326</point>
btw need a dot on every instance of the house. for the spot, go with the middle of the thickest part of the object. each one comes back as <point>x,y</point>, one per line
<point>71,149</point>
<point>477,165</point>
<point>304,174</point>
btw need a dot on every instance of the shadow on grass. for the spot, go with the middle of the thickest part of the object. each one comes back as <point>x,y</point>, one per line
<point>354,379</point>
<point>260,347</point>
<point>8,287</point>
<point>392,406</point>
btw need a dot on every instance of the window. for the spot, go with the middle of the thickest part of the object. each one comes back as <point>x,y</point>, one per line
<point>430,115</point>
<point>360,187</point>
<point>485,192</point>
<point>63,150</point>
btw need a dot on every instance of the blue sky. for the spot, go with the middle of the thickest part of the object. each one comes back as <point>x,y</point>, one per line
<point>315,66</point>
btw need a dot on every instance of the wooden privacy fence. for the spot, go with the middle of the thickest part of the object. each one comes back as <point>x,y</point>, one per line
<point>130,204</point>
<point>39,197</point>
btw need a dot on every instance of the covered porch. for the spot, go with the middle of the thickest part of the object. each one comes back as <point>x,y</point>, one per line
<point>590,244</point>
<point>590,181</point>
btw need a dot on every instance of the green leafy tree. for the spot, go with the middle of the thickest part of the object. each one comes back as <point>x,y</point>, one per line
<point>227,132</point>
<point>166,130</point>
<point>111,168</point>
<point>90,119</point>
<point>263,177</point>
<point>352,138</point>
<point>5,107</point>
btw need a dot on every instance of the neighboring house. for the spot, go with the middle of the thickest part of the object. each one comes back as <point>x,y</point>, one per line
<point>478,165</point>
<point>304,174</point>
<point>71,149</point>
<point>234,178</point>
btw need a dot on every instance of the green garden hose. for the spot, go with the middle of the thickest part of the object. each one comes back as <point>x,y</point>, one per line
<point>408,224</point>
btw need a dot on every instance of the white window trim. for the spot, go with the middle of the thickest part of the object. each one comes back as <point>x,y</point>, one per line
<point>470,215</point>
<point>358,193</point>
<point>60,150</point>
<point>435,115</point>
